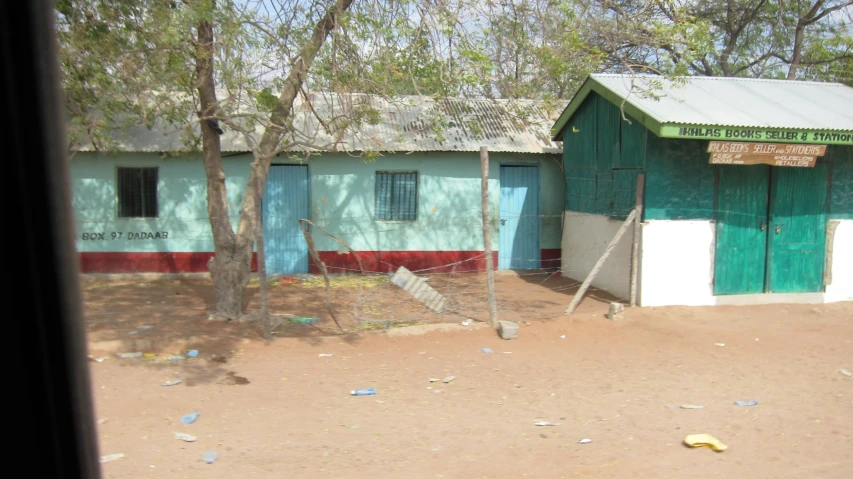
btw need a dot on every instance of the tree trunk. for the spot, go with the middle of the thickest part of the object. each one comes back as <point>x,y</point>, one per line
<point>731,41</point>
<point>813,15</point>
<point>230,273</point>
<point>736,22</point>
<point>797,54</point>
<point>231,263</point>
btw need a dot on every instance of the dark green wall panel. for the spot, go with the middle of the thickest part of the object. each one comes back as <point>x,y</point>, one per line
<point>679,180</point>
<point>580,190</point>
<point>624,191</point>
<point>603,192</point>
<point>579,158</point>
<point>602,156</point>
<point>633,144</point>
<point>579,137</point>
<point>607,135</point>
<point>841,192</point>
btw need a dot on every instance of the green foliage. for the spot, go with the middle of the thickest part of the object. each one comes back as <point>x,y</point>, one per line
<point>127,64</point>
<point>380,51</point>
<point>266,100</point>
<point>122,64</point>
<point>369,156</point>
<point>756,38</point>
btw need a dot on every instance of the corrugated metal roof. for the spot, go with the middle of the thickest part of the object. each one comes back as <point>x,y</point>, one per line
<point>737,102</point>
<point>406,123</point>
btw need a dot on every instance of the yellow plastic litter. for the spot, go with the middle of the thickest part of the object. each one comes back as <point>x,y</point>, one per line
<point>707,440</point>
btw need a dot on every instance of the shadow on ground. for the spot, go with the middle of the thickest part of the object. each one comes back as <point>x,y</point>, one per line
<point>168,317</point>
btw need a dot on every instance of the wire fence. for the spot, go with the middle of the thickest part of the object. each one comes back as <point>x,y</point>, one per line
<point>363,296</point>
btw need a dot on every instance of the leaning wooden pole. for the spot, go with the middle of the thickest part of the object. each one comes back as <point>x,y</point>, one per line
<point>312,250</point>
<point>262,276</point>
<point>592,274</point>
<point>635,247</point>
<point>487,236</point>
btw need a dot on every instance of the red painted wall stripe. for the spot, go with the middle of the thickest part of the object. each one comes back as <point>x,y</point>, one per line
<point>148,262</point>
<point>551,259</point>
<point>389,261</point>
<point>434,261</point>
<point>374,261</point>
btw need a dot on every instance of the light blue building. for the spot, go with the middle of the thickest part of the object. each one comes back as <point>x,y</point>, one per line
<point>414,201</point>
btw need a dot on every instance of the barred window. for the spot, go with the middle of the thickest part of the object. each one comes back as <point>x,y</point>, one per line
<point>396,196</point>
<point>137,192</point>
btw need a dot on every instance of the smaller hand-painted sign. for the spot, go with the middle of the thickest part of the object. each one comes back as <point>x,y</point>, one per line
<point>802,161</point>
<point>773,154</point>
<point>770,149</point>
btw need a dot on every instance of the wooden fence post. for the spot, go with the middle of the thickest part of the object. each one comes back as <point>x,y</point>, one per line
<point>487,236</point>
<point>635,247</point>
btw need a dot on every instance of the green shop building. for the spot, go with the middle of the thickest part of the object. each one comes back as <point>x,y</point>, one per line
<point>748,192</point>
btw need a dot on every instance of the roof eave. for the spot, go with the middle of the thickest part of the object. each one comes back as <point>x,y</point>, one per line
<point>592,85</point>
<point>571,108</point>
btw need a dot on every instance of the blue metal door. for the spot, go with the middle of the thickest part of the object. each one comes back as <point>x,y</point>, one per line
<point>285,203</point>
<point>518,247</point>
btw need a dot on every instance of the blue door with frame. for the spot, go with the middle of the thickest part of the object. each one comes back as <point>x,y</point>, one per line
<point>285,202</point>
<point>518,247</point>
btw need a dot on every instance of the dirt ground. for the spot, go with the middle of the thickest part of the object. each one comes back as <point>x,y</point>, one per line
<point>278,409</point>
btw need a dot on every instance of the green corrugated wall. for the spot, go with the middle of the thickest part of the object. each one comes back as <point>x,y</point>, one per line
<point>679,180</point>
<point>602,156</point>
<point>579,159</point>
<point>633,145</point>
<point>841,191</point>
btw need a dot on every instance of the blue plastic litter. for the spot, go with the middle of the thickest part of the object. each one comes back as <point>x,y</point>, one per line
<point>190,418</point>
<point>192,353</point>
<point>209,457</point>
<point>488,350</point>
<point>364,392</point>
<point>746,403</point>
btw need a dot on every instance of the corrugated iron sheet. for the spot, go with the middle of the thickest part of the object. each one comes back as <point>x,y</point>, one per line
<point>402,123</point>
<point>415,286</point>
<point>737,102</point>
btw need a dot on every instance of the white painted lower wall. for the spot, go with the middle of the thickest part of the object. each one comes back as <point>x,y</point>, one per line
<point>841,287</point>
<point>676,260</point>
<point>585,237</point>
<point>677,263</point>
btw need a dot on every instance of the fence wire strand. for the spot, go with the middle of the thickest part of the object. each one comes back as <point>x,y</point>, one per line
<point>372,301</point>
<point>367,298</point>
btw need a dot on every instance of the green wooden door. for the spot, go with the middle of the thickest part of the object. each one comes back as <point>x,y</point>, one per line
<point>797,229</point>
<point>741,219</point>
